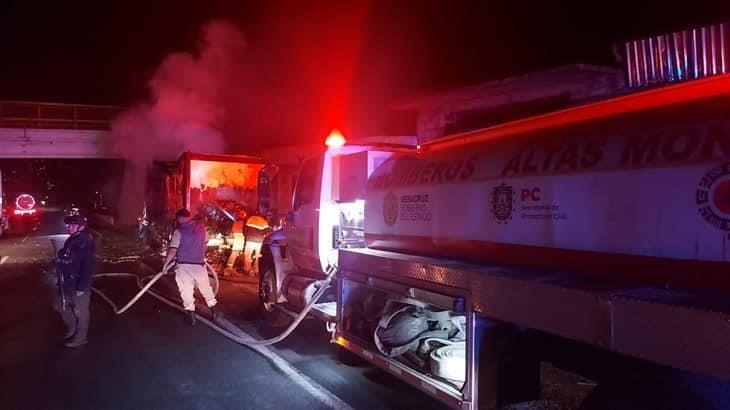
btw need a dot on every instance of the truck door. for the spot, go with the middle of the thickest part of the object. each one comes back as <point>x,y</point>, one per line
<point>300,228</point>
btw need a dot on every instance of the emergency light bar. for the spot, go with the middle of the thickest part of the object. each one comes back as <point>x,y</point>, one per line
<point>679,56</point>
<point>335,139</point>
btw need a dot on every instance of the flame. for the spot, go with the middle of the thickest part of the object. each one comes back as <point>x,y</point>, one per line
<point>212,181</point>
<point>212,174</point>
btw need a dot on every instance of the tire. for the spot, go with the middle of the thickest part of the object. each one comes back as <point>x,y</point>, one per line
<point>270,315</point>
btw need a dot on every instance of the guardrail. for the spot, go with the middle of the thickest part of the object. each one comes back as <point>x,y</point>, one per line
<point>27,114</point>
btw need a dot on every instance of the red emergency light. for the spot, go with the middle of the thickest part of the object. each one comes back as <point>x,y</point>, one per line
<point>24,211</point>
<point>25,202</point>
<point>335,139</point>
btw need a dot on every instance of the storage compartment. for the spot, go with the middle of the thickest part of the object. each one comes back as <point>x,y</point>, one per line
<point>420,329</point>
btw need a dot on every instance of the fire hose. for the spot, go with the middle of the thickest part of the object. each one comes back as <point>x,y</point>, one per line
<point>150,281</point>
<point>145,287</point>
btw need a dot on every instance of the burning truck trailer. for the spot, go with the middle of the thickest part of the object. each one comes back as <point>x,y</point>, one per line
<point>593,238</point>
<point>222,192</point>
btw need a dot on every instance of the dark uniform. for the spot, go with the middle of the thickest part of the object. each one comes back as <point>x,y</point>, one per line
<point>74,266</point>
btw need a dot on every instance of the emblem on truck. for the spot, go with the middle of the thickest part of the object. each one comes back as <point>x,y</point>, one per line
<point>503,199</point>
<point>713,197</point>
<point>390,209</point>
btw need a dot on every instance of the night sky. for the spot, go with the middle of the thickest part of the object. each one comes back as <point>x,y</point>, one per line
<point>341,57</point>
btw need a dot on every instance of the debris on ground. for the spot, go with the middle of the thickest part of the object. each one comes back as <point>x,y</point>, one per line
<point>119,245</point>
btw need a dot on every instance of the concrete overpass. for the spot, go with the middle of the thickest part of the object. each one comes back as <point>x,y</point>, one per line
<point>49,130</point>
<point>35,130</point>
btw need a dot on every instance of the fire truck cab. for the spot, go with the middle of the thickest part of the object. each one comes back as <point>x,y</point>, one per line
<point>327,215</point>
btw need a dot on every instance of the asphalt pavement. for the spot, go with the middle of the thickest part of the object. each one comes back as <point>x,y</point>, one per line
<point>149,358</point>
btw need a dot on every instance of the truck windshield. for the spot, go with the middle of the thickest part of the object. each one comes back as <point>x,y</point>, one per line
<point>304,192</point>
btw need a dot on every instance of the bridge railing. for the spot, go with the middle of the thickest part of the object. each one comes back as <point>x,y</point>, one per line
<point>27,114</point>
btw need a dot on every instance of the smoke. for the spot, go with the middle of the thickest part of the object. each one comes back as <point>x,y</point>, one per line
<point>185,111</point>
<point>304,73</point>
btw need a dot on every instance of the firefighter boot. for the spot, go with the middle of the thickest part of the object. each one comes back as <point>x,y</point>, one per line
<point>68,335</point>
<point>75,343</point>
<point>191,318</point>
<point>215,313</point>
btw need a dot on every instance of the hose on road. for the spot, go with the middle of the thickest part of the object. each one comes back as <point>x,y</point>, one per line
<point>145,288</point>
<point>241,338</point>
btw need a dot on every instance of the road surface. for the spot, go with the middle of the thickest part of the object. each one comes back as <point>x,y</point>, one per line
<point>149,358</point>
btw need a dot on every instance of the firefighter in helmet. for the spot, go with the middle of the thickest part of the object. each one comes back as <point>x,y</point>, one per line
<point>74,267</point>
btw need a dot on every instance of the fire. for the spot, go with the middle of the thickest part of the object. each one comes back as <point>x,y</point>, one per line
<point>210,174</point>
<point>212,181</point>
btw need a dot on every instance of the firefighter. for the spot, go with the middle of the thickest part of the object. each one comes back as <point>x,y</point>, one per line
<point>74,266</point>
<point>187,248</point>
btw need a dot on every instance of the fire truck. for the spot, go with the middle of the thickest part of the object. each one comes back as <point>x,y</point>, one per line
<point>221,191</point>
<point>595,237</point>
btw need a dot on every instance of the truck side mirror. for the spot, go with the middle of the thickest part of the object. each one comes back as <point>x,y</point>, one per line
<point>264,192</point>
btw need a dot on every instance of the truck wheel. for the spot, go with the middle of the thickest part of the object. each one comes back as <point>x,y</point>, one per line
<point>270,315</point>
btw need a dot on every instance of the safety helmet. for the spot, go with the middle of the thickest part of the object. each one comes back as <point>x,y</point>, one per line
<point>76,220</point>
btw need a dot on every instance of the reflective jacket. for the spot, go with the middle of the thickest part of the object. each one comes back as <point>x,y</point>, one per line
<point>75,262</point>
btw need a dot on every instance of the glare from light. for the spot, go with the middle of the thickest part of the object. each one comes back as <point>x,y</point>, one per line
<point>335,139</point>
<point>25,202</point>
<point>353,211</point>
<point>215,241</point>
<point>238,241</point>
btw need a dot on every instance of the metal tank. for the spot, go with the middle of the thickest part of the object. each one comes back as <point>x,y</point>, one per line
<point>637,191</point>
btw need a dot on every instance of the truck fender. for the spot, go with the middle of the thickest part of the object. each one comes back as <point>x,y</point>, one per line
<point>274,254</point>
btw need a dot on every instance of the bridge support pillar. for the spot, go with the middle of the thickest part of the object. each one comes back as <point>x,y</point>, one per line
<point>133,190</point>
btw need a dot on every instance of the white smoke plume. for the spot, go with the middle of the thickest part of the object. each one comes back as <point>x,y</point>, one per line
<point>185,111</point>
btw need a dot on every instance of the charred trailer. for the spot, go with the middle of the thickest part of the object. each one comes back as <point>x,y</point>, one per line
<point>222,191</point>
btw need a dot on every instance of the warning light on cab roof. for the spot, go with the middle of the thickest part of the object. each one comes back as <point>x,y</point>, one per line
<point>335,139</point>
